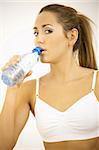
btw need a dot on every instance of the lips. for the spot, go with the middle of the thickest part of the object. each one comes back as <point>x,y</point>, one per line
<point>44,51</point>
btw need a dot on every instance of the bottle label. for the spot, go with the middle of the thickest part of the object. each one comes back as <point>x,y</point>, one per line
<point>12,75</point>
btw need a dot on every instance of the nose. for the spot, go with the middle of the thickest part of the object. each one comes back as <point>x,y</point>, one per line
<point>40,39</point>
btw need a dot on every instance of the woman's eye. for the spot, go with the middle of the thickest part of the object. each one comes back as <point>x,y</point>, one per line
<point>48,31</point>
<point>35,33</point>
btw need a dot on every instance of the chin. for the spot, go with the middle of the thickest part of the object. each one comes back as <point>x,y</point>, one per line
<point>43,60</point>
<point>47,59</point>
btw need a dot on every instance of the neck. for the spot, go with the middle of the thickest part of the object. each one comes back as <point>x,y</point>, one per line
<point>65,69</point>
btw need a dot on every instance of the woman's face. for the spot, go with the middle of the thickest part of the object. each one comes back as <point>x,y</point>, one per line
<point>50,36</point>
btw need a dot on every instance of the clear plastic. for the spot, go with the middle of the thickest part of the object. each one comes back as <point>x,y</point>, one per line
<point>15,73</point>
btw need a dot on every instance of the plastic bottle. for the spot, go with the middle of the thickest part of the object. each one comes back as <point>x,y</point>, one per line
<point>15,73</point>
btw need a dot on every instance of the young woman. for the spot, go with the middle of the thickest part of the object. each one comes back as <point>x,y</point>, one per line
<point>64,101</point>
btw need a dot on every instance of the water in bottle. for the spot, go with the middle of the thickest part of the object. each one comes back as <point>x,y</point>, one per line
<point>15,73</point>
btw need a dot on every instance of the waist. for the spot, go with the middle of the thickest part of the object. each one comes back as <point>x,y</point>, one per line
<point>90,144</point>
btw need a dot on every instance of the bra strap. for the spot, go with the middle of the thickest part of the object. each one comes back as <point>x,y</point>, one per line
<point>37,86</point>
<point>94,79</point>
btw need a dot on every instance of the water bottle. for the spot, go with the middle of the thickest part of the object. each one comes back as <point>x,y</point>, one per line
<point>15,73</point>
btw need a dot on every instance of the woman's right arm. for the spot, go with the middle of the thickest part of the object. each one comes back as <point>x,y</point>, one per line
<point>15,113</point>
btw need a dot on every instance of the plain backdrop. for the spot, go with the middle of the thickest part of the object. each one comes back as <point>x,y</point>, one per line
<point>16,36</point>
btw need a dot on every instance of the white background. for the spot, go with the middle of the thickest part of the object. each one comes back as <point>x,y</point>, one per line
<point>16,36</point>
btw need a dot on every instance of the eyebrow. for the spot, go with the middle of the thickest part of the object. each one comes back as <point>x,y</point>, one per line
<point>44,25</point>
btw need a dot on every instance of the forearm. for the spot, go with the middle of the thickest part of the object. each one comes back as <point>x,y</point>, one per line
<point>7,120</point>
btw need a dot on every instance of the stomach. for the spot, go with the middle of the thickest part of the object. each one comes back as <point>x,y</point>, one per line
<point>90,144</point>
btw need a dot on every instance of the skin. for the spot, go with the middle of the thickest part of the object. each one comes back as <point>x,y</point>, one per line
<point>20,99</point>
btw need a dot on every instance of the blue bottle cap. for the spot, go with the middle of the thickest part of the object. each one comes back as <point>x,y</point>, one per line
<point>38,50</point>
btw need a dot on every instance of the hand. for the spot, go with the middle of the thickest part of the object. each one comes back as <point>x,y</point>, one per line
<point>14,60</point>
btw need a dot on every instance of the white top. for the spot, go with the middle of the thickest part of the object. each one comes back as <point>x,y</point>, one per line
<point>78,122</point>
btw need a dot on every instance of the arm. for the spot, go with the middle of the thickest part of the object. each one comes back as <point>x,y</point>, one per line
<point>97,86</point>
<point>15,113</point>
<point>97,95</point>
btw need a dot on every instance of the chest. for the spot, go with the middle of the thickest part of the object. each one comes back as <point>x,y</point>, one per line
<point>74,122</point>
<point>62,96</point>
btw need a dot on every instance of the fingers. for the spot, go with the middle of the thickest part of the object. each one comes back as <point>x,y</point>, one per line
<point>28,74</point>
<point>20,83</point>
<point>15,59</point>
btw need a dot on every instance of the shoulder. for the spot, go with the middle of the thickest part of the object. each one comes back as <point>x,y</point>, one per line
<point>97,85</point>
<point>27,90</point>
<point>24,95</point>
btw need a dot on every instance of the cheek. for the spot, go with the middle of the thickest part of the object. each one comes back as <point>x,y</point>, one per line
<point>55,53</point>
<point>57,40</point>
<point>58,45</point>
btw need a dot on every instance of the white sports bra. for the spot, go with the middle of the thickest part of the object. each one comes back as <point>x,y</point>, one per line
<point>78,122</point>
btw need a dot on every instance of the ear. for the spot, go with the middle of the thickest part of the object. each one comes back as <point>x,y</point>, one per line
<point>72,36</point>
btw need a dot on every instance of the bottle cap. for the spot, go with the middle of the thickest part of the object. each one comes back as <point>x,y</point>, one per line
<point>38,50</point>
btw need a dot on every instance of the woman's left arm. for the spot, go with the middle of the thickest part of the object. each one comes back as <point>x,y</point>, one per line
<point>97,86</point>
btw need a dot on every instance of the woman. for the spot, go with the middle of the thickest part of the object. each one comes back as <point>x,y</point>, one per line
<point>64,101</point>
